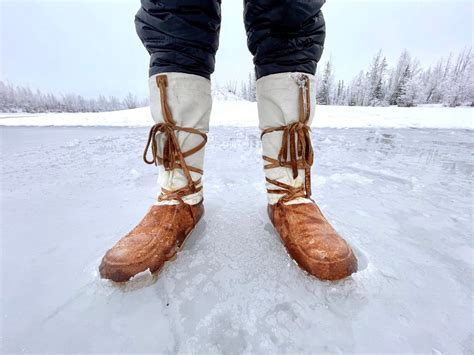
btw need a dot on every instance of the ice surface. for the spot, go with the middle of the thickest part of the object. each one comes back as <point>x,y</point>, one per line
<point>401,197</point>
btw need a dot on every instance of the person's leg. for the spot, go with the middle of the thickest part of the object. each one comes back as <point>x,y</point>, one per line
<point>285,36</point>
<point>182,38</point>
<point>286,39</point>
<point>180,35</point>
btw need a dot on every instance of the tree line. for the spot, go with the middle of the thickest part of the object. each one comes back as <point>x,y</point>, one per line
<point>23,99</point>
<point>449,82</point>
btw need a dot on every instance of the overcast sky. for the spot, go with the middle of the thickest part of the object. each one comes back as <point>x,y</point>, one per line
<point>91,48</point>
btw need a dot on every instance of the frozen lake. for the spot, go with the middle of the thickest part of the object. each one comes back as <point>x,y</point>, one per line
<point>401,197</point>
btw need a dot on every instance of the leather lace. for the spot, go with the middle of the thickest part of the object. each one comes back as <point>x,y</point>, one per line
<point>296,151</point>
<point>173,157</point>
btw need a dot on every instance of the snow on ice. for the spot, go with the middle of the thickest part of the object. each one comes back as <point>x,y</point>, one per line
<point>402,198</point>
<point>244,114</point>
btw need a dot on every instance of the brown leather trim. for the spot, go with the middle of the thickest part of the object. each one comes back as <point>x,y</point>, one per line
<point>296,151</point>
<point>173,157</point>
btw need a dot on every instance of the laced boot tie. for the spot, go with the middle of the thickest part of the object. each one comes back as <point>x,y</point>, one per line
<point>296,151</point>
<point>173,157</point>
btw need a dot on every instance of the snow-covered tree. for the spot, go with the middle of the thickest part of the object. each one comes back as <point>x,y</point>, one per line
<point>23,99</point>
<point>115,104</point>
<point>252,88</point>
<point>432,83</point>
<point>130,101</point>
<point>410,86</point>
<point>376,77</point>
<point>358,90</point>
<point>341,94</point>
<point>231,87</point>
<point>459,86</point>
<point>244,91</point>
<point>324,92</point>
<point>398,78</point>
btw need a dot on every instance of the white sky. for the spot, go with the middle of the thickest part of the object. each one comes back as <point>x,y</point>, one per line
<point>91,48</point>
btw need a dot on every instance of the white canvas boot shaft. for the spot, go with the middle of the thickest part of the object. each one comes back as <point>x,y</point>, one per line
<point>190,102</point>
<point>278,105</point>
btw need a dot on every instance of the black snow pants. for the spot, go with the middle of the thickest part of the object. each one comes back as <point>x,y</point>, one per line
<point>183,35</point>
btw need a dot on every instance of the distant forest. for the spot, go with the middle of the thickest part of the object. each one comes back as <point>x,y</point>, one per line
<point>449,82</point>
<point>23,99</point>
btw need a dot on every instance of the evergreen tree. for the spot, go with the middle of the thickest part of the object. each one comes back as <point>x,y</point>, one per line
<point>252,88</point>
<point>130,101</point>
<point>398,78</point>
<point>326,86</point>
<point>432,83</point>
<point>340,98</point>
<point>244,91</point>
<point>376,79</point>
<point>401,88</point>
<point>459,83</point>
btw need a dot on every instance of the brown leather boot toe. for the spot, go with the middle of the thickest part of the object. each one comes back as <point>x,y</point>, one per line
<point>155,240</point>
<point>311,241</point>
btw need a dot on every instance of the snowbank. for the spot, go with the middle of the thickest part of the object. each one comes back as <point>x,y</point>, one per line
<point>244,114</point>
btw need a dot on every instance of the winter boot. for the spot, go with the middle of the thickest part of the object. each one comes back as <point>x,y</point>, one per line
<point>180,105</point>
<point>285,106</point>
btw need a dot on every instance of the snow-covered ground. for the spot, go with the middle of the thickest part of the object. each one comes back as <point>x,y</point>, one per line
<point>401,197</point>
<point>244,114</point>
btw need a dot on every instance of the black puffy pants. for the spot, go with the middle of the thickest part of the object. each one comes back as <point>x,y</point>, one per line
<point>183,35</point>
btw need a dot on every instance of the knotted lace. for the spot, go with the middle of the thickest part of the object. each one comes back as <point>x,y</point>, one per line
<point>296,151</point>
<point>173,157</point>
